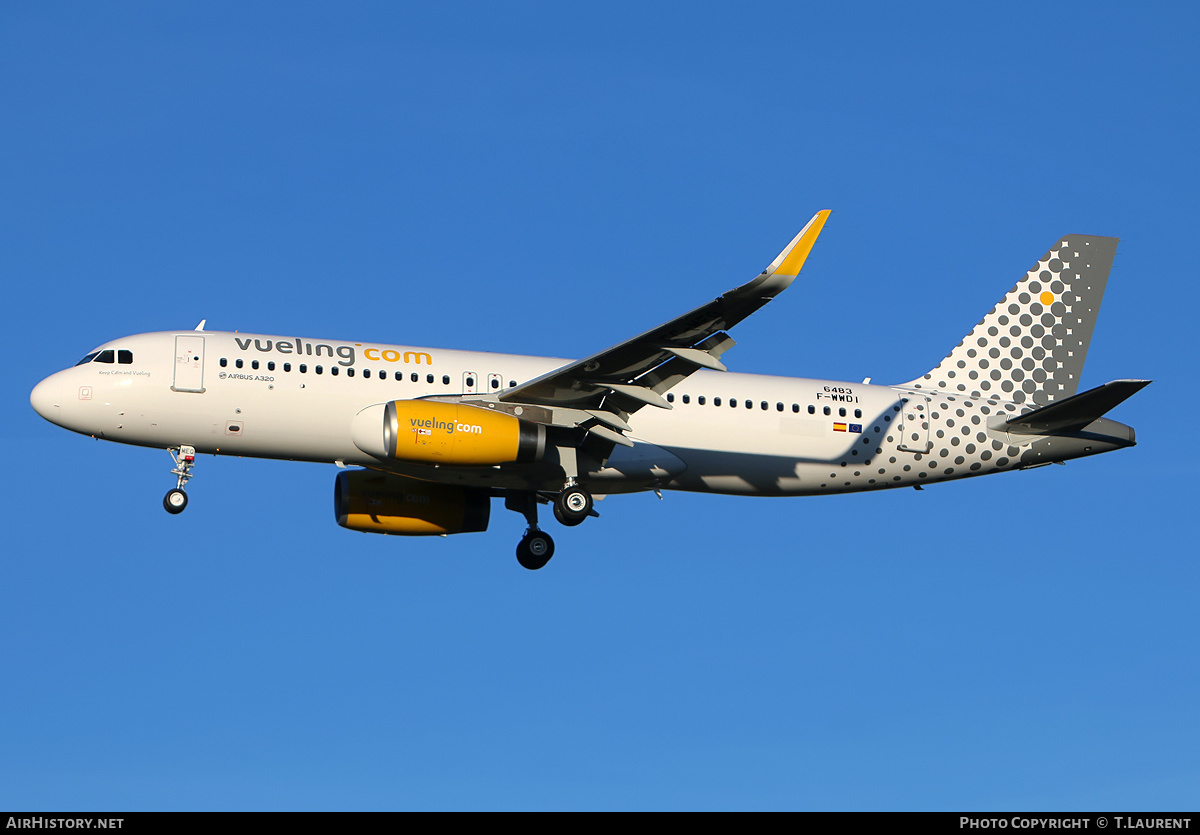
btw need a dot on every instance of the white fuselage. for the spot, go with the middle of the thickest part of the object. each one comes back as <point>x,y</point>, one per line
<point>292,398</point>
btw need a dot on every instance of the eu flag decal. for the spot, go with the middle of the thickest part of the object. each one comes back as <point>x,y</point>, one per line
<point>856,427</point>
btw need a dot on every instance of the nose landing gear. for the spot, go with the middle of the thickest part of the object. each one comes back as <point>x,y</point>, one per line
<point>571,506</point>
<point>185,461</point>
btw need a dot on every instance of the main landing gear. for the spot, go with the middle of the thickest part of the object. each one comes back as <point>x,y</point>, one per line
<point>185,461</point>
<point>571,506</point>
<point>536,547</point>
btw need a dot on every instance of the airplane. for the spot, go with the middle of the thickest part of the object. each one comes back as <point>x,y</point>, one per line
<point>426,438</point>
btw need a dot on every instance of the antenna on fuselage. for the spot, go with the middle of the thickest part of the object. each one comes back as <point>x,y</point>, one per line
<point>200,326</point>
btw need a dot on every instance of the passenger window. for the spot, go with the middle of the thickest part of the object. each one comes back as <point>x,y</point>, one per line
<point>287,366</point>
<point>349,372</point>
<point>858,413</point>
<point>700,400</point>
<point>334,370</point>
<point>495,383</point>
<point>779,407</point>
<point>125,357</point>
<point>716,401</point>
<point>415,377</point>
<point>318,369</point>
<point>254,364</point>
<point>812,410</point>
<point>367,372</point>
<point>303,368</point>
<point>687,399</point>
<point>842,412</point>
<point>224,362</point>
<point>428,378</point>
<point>238,363</point>
<point>399,377</point>
<point>445,379</point>
<point>826,411</point>
<point>512,384</point>
<point>470,382</point>
<point>670,397</point>
<point>105,356</point>
<point>271,365</point>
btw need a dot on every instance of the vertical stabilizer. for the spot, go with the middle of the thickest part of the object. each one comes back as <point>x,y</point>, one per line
<point>1031,346</point>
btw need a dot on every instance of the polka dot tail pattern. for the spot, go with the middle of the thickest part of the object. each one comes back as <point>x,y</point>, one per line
<point>1030,347</point>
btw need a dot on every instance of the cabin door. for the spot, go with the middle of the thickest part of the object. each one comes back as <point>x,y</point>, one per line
<point>914,423</point>
<point>189,364</point>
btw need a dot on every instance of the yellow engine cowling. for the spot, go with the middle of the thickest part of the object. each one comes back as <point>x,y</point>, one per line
<point>432,432</point>
<point>364,500</point>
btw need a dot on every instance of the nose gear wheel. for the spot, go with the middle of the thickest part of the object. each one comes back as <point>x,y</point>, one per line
<point>175,501</point>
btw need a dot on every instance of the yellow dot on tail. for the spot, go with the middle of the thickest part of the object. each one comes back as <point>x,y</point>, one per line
<point>1047,298</point>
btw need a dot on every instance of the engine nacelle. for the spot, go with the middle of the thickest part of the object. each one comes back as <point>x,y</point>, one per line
<point>432,432</point>
<point>364,500</point>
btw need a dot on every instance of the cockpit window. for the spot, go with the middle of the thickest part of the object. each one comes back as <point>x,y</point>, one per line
<point>88,358</point>
<point>106,356</point>
<point>125,357</point>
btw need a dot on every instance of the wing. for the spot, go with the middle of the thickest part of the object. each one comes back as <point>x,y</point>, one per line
<point>616,382</point>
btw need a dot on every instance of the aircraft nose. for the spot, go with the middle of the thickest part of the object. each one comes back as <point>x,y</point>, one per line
<point>46,398</point>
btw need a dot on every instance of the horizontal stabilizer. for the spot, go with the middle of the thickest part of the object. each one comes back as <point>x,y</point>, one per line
<point>1075,412</point>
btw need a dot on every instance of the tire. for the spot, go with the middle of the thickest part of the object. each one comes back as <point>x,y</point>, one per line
<point>175,501</point>
<point>569,521</point>
<point>572,506</point>
<point>535,550</point>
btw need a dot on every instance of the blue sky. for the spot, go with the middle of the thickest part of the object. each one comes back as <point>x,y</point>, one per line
<point>537,178</point>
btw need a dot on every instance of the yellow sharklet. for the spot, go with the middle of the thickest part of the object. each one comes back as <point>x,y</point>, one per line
<point>792,258</point>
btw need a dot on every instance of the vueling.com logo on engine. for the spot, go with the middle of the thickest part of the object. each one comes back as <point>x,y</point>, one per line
<point>426,427</point>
